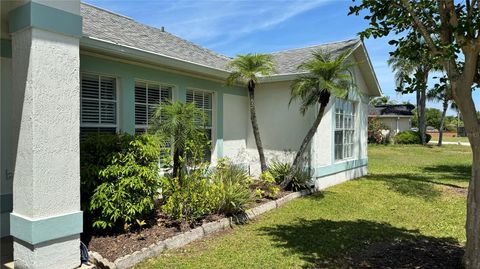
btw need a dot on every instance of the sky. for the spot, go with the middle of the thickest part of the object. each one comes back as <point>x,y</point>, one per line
<point>263,26</point>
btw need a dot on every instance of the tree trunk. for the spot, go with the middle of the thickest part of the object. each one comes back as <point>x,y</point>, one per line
<point>423,76</point>
<point>472,249</point>
<point>324,99</point>
<point>442,121</point>
<point>256,132</point>
<point>176,163</point>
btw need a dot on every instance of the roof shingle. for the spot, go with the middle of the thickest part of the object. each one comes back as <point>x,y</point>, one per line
<point>104,25</point>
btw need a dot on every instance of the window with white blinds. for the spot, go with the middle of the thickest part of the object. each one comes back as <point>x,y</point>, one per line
<point>98,108</point>
<point>344,129</point>
<point>148,96</point>
<point>204,101</point>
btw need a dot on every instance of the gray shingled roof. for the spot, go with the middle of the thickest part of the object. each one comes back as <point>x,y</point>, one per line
<point>391,110</point>
<point>104,25</point>
<point>289,60</point>
<point>101,24</point>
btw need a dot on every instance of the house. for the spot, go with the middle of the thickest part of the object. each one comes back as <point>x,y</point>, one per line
<point>69,68</point>
<point>397,118</point>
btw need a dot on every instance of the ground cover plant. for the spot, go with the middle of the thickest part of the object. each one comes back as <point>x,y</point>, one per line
<point>409,212</point>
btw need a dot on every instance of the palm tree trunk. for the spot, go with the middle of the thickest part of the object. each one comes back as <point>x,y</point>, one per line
<point>256,132</point>
<point>324,99</point>
<point>442,121</point>
<point>423,76</point>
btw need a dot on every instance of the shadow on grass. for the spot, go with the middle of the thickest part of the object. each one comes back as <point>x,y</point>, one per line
<point>423,184</point>
<point>457,172</point>
<point>363,244</point>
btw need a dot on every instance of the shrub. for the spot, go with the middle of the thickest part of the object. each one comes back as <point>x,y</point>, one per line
<point>410,137</point>
<point>230,184</point>
<point>267,187</point>
<point>119,179</point>
<point>375,128</point>
<point>300,180</point>
<point>188,199</point>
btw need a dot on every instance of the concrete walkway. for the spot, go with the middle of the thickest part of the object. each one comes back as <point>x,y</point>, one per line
<point>451,143</point>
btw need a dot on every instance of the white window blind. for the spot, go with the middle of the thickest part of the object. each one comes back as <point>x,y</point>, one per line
<point>148,96</point>
<point>344,129</point>
<point>204,101</point>
<point>98,108</point>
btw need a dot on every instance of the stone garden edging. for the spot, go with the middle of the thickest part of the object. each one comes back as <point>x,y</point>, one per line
<point>185,238</point>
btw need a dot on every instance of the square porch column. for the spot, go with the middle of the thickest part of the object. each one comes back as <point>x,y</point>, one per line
<point>46,221</point>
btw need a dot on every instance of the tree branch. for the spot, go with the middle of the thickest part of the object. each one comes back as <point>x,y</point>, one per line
<point>421,28</point>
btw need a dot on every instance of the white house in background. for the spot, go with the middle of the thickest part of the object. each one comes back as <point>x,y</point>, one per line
<point>69,68</point>
<point>398,118</point>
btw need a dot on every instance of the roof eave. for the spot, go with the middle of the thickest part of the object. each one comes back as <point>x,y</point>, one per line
<point>150,57</point>
<point>365,62</point>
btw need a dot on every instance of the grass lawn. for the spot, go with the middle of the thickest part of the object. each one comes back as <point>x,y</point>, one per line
<point>412,193</point>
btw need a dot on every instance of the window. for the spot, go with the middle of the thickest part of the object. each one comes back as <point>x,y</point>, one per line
<point>344,129</point>
<point>148,96</point>
<point>203,100</point>
<point>98,107</point>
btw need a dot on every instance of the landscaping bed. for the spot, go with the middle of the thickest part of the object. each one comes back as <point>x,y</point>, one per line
<point>161,227</point>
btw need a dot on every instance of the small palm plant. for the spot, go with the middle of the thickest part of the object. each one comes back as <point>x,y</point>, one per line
<point>246,69</point>
<point>179,125</point>
<point>327,75</point>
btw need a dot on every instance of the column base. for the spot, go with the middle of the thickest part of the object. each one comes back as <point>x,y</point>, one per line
<point>60,253</point>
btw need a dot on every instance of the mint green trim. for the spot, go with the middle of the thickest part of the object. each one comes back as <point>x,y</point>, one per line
<point>219,143</point>
<point>6,48</point>
<point>128,73</point>
<point>42,230</point>
<point>6,203</point>
<point>4,224</point>
<point>339,167</point>
<point>44,17</point>
<point>127,103</point>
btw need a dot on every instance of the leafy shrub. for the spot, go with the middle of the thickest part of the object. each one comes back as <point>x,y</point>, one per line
<point>375,127</point>
<point>230,184</point>
<point>410,137</point>
<point>190,198</point>
<point>267,186</point>
<point>300,180</point>
<point>119,179</point>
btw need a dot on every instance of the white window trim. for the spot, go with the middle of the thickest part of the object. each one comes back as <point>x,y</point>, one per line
<point>354,115</point>
<point>160,84</point>
<point>214,118</point>
<point>117,102</point>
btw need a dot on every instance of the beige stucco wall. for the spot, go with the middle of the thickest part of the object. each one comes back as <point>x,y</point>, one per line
<point>404,124</point>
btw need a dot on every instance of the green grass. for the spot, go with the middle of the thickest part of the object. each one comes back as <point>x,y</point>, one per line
<point>408,194</point>
<point>449,137</point>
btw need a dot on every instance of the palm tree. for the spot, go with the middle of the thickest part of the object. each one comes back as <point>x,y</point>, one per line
<point>327,75</point>
<point>179,124</point>
<point>382,100</point>
<point>246,69</point>
<point>442,93</point>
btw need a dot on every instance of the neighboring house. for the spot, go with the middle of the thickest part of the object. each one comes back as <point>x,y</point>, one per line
<point>60,80</point>
<point>398,118</point>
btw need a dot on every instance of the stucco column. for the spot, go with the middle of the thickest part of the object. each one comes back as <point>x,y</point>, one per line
<point>46,220</point>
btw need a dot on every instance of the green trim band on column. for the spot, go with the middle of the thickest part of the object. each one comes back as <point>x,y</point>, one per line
<point>6,48</point>
<point>34,231</point>
<point>339,167</point>
<point>6,203</point>
<point>44,17</point>
<point>219,144</point>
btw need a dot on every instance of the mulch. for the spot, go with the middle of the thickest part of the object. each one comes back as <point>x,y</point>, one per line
<point>114,246</point>
<point>418,253</point>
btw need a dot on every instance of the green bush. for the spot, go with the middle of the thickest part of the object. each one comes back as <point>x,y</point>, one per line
<point>190,198</point>
<point>267,187</point>
<point>300,180</point>
<point>119,179</point>
<point>230,184</point>
<point>410,137</point>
